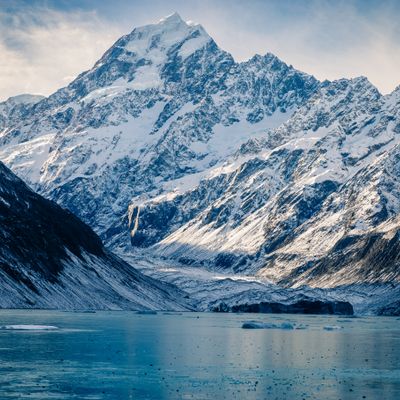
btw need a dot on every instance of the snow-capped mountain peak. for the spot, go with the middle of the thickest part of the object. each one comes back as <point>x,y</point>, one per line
<point>136,60</point>
<point>163,36</point>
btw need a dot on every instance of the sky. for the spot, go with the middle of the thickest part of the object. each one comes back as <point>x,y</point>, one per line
<point>44,44</point>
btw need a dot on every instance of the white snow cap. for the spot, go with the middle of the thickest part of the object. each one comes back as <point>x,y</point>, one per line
<point>152,42</point>
<point>172,18</point>
<point>173,29</point>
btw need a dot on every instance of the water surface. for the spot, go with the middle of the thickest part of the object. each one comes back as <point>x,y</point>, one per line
<point>122,355</point>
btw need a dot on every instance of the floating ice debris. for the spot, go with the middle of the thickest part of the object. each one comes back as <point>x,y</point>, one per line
<point>146,312</point>
<point>29,327</point>
<point>286,325</point>
<point>255,325</point>
<point>332,327</point>
<point>266,325</point>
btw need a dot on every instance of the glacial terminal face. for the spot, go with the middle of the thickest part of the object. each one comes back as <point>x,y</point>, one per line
<point>299,307</point>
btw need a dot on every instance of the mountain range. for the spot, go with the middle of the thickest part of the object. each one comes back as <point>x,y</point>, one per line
<point>181,158</point>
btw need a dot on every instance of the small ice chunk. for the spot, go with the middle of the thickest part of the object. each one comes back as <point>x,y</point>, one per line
<point>286,325</point>
<point>28,327</point>
<point>266,325</point>
<point>332,327</point>
<point>257,325</point>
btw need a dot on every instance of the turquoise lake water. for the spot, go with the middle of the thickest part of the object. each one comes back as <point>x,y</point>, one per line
<point>123,355</point>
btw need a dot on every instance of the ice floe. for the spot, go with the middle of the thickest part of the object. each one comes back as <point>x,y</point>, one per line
<point>268,325</point>
<point>332,327</point>
<point>29,327</point>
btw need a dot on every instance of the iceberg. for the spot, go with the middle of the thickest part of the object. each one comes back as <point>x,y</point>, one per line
<point>267,325</point>
<point>332,327</point>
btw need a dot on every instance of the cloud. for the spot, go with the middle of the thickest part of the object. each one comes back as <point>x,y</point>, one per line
<point>42,50</point>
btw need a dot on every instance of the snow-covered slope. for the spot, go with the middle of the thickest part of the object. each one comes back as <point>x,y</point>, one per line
<point>50,259</point>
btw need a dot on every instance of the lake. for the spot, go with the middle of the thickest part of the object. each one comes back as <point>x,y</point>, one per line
<point>123,355</point>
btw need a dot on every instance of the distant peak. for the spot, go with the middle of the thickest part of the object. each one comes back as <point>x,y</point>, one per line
<point>269,61</point>
<point>266,58</point>
<point>359,85</point>
<point>270,56</point>
<point>25,98</point>
<point>396,90</point>
<point>363,81</point>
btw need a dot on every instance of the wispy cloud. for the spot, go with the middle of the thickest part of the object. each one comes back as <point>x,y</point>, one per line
<point>42,49</point>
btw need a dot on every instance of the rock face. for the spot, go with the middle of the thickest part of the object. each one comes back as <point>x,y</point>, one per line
<point>170,149</point>
<point>50,259</point>
<point>300,307</point>
<point>391,310</point>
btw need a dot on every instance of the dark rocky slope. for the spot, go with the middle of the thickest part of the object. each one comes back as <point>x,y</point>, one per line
<point>51,259</point>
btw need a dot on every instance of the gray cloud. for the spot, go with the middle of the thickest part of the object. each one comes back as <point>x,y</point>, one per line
<point>42,50</point>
